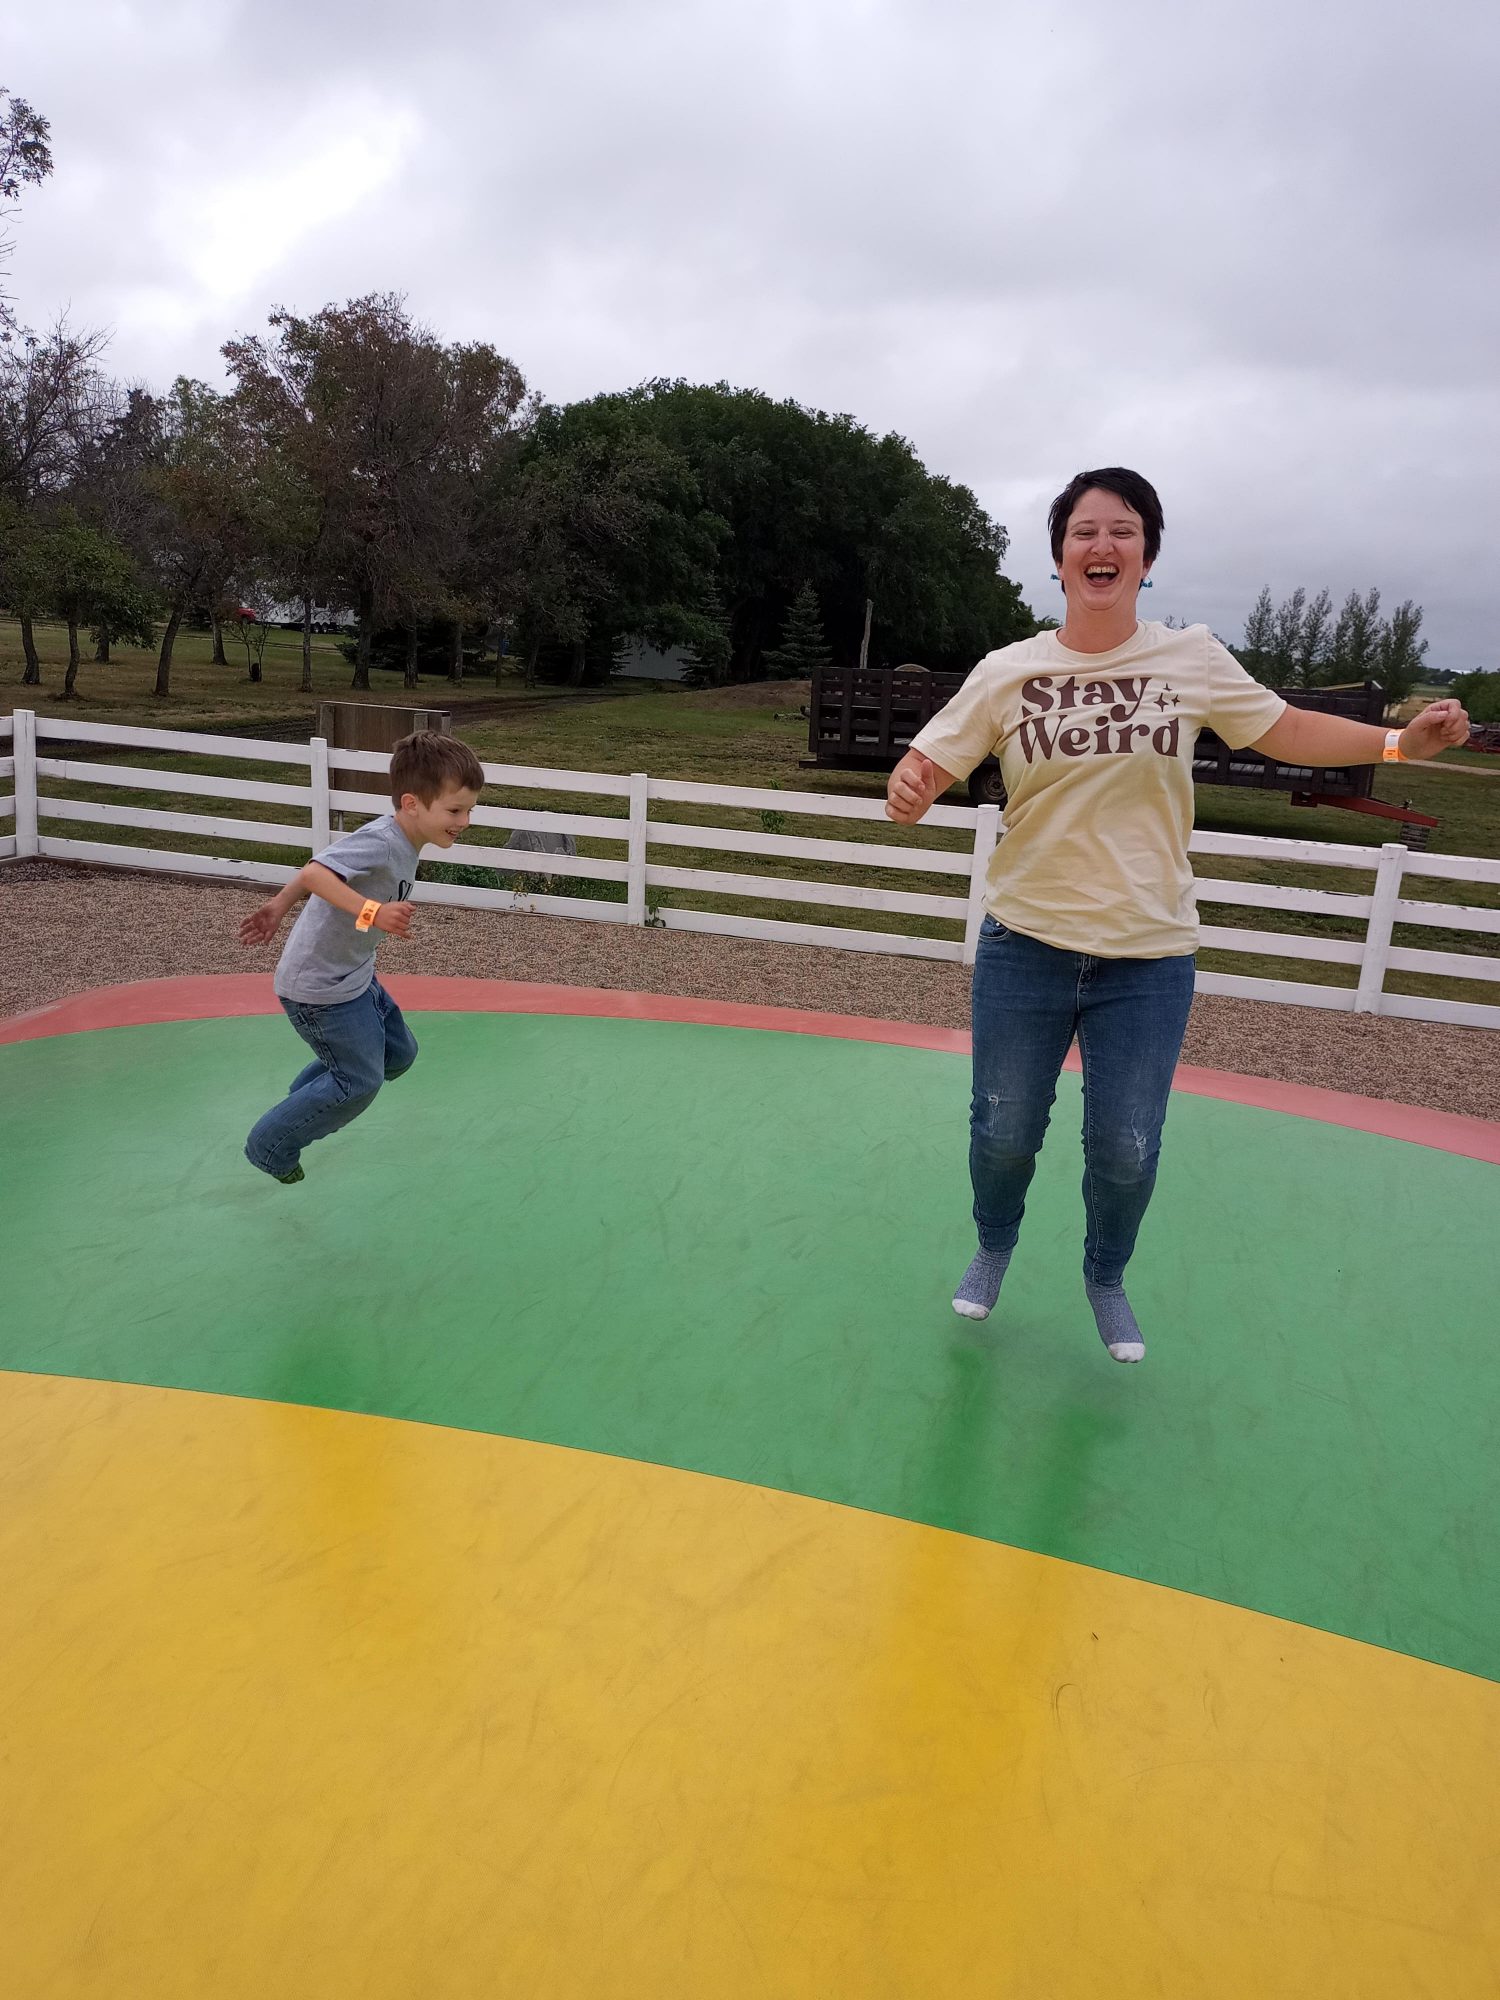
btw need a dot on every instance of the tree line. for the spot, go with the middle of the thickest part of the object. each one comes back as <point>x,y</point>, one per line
<point>356,459</point>
<point>1299,643</point>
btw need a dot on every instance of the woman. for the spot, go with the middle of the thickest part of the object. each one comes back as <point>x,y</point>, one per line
<point>1092,923</point>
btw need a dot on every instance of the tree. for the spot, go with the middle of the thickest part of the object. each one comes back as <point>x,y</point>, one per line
<point>803,647</point>
<point>90,580</point>
<point>43,380</point>
<point>25,160</point>
<point>389,431</point>
<point>1401,652</point>
<point>607,535</point>
<point>808,497</point>
<point>1255,648</point>
<point>1480,695</point>
<point>1314,650</point>
<point>208,520</point>
<point>709,649</point>
<point>1357,638</point>
<point>1286,636</point>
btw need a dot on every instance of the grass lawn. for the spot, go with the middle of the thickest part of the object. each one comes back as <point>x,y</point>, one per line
<point>757,738</point>
<point>214,698</point>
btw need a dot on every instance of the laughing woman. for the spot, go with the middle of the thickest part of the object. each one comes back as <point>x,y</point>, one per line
<point>1092,924</point>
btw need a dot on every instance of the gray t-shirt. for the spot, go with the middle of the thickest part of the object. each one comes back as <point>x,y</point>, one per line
<point>326,959</point>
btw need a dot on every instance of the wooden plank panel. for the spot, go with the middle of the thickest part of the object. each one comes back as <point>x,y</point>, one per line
<point>1452,964</point>
<point>780,933</point>
<point>187,742</point>
<point>1449,916</point>
<point>1340,999</point>
<point>263,833</point>
<point>819,805</point>
<point>196,784</point>
<point>1271,896</point>
<point>773,889</point>
<point>1314,853</point>
<point>1282,944</point>
<point>1462,1013</point>
<point>152,859</point>
<point>730,840</point>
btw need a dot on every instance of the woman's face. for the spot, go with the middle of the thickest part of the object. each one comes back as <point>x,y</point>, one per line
<point>1103,553</point>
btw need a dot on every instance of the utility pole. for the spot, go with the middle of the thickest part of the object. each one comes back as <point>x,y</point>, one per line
<point>864,644</point>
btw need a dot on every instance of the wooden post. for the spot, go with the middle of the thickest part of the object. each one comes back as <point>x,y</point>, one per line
<point>23,744</point>
<point>864,644</point>
<point>1378,930</point>
<point>986,834</point>
<point>635,858</point>
<point>322,821</point>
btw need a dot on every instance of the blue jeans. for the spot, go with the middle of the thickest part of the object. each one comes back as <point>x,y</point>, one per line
<point>359,1044</point>
<point>1130,1015</point>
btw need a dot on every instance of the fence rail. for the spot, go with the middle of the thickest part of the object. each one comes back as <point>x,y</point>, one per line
<point>650,858</point>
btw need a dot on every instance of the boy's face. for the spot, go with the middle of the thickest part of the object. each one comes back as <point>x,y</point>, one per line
<point>439,823</point>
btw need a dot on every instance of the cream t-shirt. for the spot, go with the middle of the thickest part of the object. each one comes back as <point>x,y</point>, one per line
<point>1096,750</point>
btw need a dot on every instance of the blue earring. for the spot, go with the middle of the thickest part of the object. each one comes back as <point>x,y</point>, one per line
<point>1145,583</point>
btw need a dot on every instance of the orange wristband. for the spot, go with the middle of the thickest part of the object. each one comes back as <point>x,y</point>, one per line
<point>1393,753</point>
<point>367,916</point>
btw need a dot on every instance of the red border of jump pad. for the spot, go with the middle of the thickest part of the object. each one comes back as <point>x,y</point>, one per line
<point>232,995</point>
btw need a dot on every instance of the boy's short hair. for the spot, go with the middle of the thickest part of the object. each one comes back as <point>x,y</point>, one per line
<point>1125,485</point>
<point>429,762</point>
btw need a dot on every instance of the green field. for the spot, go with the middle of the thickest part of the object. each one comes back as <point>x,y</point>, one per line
<point>757,738</point>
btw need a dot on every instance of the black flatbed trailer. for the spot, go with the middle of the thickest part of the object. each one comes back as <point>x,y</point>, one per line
<point>865,719</point>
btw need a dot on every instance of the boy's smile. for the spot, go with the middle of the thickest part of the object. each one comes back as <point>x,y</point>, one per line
<point>440,822</point>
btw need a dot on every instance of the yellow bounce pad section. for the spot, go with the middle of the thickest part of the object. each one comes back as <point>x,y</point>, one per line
<point>296,1702</point>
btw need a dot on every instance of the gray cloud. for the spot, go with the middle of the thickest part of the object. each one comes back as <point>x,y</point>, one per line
<point>1251,251</point>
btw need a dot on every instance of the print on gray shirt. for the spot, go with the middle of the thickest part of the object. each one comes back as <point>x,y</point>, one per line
<point>326,959</point>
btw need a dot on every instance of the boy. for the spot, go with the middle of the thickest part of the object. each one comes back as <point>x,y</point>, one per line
<point>326,975</point>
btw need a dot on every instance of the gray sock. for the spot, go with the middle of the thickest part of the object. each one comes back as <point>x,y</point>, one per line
<point>1115,1321</point>
<point>979,1287</point>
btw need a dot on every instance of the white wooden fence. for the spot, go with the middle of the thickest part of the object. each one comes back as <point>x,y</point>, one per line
<point>28,810</point>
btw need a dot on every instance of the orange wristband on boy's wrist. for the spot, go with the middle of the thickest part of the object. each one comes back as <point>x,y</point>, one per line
<point>367,916</point>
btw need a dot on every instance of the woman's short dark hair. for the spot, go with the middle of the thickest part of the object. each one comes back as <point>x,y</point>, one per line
<point>1125,485</point>
<point>429,762</point>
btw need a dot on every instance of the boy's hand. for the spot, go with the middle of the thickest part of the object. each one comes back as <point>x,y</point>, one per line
<point>262,925</point>
<point>394,919</point>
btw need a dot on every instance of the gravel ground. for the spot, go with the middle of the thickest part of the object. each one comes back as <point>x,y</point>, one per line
<point>64,928</point>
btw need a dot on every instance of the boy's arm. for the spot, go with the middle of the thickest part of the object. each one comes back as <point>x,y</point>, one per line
<point>316,880</point>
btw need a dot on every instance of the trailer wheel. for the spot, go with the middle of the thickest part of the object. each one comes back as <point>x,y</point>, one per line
<point>986,786</point>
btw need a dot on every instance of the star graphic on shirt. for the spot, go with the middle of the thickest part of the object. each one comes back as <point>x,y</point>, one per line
<point>1169,698</point>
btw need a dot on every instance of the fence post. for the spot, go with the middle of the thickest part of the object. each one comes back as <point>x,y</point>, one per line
<point>1378,930</point>
<point>322,819</point>
<point>635,857</point>
<point>23,744</point>
<point>986,833</point>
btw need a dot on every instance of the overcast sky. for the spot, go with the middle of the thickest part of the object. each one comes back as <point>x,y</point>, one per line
<point>1250,250</point>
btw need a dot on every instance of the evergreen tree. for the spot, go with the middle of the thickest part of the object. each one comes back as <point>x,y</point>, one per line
<point>1260,629</point>
<point>709,644</point>
<point>803,646</point>
<point>1314,643</point>
<point>1357,638</point>
<point>1399,666</point>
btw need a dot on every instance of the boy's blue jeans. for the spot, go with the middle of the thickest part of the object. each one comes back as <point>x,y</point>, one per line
<point>1130,1015</point>
<point>359,1044</point>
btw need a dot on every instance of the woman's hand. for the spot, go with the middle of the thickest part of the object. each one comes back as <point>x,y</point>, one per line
<point>915,783</point>
<point>1442,725</point>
